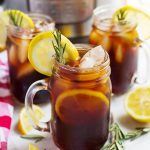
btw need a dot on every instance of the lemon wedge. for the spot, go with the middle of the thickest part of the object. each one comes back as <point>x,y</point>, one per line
<point>137,104</point>
<point>134,15</point>
<point>41,52</point>
<point>24,125</point>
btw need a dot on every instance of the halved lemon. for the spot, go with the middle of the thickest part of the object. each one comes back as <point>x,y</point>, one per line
<point>33,147</point>
<point>41,52</point>
<point>81,106</point>
<point>24,125</point>
<point>137,104</point>
<point>131,14</point>
<point>19,18</point>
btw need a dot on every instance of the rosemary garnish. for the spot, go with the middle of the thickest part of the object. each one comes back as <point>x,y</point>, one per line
<point>118,137</point>
<point>59,49</point>
<point>122,15</point>
<point>137,133</point>
<point>15,17</point>
<point>37,138</point>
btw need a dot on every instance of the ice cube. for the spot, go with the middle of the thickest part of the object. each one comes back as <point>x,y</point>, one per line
<point>93,58</point>
<point>22,50</point>
<point>119,53</point>
<point>24,69</point>
<point>12,55</point>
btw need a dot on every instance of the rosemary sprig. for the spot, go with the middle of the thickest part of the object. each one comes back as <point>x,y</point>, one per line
<point>118,137</point>
<point>15,17</point>
<point>122,15</point>
<point>37,138</point>
<point>116,143</point>
<point>137,133</point>
<point>59,49</point>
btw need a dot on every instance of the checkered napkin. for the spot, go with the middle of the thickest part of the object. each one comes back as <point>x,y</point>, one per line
<point>6,103</point>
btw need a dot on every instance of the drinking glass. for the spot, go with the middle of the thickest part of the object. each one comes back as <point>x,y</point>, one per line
<point>22,74</point>
<point>78,122</point>
<point>122,42</point>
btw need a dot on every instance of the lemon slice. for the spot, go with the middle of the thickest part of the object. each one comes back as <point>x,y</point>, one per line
<point>137,104</point>
<point>78,106</point>
<point>24,125</point>
<point>143,5</point>
<point>41,52</point>
<point>3,36</point>
<point>18,18</point>
<point>139,17</point>
<point>33,147</point>
<point>4,21</point>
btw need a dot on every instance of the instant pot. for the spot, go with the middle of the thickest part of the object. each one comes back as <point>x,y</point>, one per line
<point>73,17</point>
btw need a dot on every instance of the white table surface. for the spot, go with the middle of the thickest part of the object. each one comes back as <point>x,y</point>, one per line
<point>119,114</point>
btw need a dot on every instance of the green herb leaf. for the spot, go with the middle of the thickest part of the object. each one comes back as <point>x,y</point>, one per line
<point>137,133</point>
<point>59,49</point>
<point>119,137</point>
<point>15,17</point>
<point>37,138</point>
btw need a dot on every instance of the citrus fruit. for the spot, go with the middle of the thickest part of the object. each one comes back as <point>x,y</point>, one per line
<point>134,15</point>
<point>78,106</point>
<point>138,104</point>
<point>15,17</point>
<point>18,18</point>
<point>4,21</point>
<point>33,147</point>
<point>24,125</point>
<point>143,5</point>
<point>41,52</point>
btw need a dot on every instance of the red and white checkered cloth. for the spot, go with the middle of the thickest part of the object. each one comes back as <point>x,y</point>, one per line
<point>6,103</point>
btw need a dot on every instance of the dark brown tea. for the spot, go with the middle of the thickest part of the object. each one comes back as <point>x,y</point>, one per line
<point>22,74</point>
<point>80,106</point>
<point>120,41</point>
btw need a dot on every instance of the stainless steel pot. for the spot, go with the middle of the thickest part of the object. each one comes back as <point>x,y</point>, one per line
<point>72,17</point>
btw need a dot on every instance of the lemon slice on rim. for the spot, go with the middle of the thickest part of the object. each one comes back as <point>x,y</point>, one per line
<point>78,106</point>
<point>18,18</point>
<point>41,52</point>
<point>137,104</point>
<point>15,17</point>
<point>143,5</point>
<point>142,20</point>
<point>24,125</point>
<point>4,21</point>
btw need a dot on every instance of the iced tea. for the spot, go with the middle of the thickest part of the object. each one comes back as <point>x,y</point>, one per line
<point>22,74</point>
<point>120,41</point>
<point>81,122</point>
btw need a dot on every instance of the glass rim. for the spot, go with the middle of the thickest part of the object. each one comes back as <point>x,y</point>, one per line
<point>20,30</point>
<point>102,24</point>
<point>100,67</point>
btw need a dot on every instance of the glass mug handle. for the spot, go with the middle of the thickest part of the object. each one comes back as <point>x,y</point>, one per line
<point>144,47</point>
<point>33,89</point>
